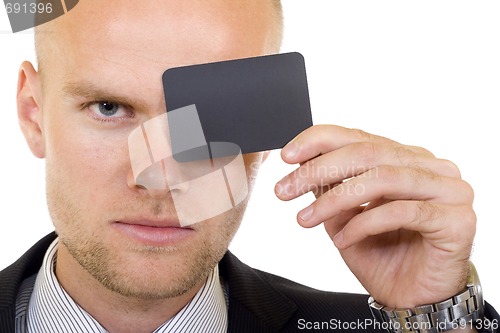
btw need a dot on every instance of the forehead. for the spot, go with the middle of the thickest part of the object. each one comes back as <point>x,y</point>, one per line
<point>151,36</point>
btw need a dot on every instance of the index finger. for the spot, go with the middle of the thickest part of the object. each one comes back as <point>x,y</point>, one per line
<point>321,139</point>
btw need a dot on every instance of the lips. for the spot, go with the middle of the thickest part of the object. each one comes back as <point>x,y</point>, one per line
<point>156,223</point>
<point>158,233</point>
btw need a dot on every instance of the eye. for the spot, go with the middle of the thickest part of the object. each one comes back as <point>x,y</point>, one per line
<point>108,110</point>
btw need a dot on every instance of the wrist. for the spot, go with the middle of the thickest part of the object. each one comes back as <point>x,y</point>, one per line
<point>458,312</point>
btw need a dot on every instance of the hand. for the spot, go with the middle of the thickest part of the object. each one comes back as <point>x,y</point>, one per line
<point>401,218</point>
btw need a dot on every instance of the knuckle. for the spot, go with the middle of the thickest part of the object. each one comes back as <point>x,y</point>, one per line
<point>452,169</point>
<point>415,174</point>
<point>388,174</point>
<point>469,218</point>
<point>408,156</point>
<point>367,152</point>
<point>419,174</point>
<point>467,191</point>
<point>402,152</point>
<point>425,213</point>
<point>361,135</point>
<point>421,151</point>
<point>463,230</point>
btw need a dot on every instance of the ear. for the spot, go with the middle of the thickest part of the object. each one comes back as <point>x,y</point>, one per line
<point>29,110</point>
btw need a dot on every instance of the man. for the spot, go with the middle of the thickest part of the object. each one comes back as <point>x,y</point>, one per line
<point>120,263</point>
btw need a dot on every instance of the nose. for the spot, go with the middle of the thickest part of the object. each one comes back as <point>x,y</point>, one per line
<point>159,179</point>
<point>152,165</point>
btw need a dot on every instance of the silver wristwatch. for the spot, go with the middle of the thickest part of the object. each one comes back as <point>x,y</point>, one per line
<point>456,312</point>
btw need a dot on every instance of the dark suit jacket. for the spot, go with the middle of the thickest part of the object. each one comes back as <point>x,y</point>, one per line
<point>258,301</point>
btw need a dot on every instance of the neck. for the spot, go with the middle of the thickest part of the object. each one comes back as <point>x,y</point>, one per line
<point>115,312</point>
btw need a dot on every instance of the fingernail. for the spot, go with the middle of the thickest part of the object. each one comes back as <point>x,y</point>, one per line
<point>338,239</point>
<point>291,150</point>
<point>306,213</point>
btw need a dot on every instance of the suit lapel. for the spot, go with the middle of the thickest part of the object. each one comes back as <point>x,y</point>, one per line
<point>254,304</point>
<point>12,277</point>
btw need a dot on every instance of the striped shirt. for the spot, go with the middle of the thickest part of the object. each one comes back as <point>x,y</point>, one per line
<point>50,309</point>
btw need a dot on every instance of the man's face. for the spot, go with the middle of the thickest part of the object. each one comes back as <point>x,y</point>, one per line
<point>114,52</point>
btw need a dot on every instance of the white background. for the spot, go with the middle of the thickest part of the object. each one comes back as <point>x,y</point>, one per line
<point>422,72</point>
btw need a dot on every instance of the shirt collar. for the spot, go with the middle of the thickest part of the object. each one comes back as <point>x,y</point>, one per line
<point>52,310</point>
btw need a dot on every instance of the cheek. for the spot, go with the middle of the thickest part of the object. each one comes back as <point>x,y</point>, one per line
<point>86,160</point>
<point>252,165</point>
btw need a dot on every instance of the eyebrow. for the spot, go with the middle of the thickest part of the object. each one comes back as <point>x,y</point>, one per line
<point>89,90</point>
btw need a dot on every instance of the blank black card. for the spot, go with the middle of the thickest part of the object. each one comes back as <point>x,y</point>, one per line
<point>257,103</point>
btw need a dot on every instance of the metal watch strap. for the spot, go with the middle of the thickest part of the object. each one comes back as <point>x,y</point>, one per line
<point>458,311</point>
